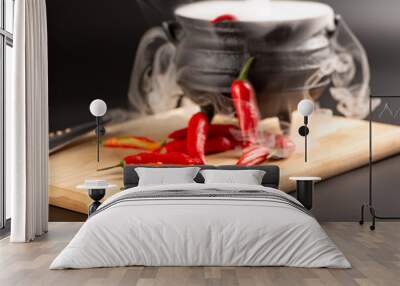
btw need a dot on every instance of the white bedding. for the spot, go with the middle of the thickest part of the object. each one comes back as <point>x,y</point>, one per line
<point>183,231</point>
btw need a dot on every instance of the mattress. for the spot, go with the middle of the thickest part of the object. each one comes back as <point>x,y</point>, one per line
<point>201,225</point>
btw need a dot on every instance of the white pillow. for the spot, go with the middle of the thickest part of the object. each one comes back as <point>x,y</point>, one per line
<point>164,176</point>
<point>247,177</point>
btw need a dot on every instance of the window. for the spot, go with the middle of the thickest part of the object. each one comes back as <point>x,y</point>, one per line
<point>6,61</point>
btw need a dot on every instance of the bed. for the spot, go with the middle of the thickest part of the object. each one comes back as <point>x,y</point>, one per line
<point>201,224</point>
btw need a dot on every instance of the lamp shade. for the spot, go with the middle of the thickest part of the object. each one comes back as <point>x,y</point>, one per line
<point>98,107</point>
<point>305,107</point>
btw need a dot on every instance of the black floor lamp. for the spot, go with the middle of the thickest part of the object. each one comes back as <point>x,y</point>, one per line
<point>369,205</point>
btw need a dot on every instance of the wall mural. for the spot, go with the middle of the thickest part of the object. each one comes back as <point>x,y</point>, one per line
<point>207,83</point>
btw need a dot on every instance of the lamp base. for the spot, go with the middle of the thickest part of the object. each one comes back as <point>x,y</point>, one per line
<point>96,195</point>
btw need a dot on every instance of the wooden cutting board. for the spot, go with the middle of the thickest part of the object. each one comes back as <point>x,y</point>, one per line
<point>336,145</point>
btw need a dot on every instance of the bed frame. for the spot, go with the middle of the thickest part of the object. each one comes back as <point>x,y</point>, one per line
<point>271,177</point>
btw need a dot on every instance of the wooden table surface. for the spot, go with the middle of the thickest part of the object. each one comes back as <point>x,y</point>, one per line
<point>336,145</point>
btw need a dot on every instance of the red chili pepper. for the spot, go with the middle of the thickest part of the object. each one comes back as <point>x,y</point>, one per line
<point>223,18</point>
<point>174,158</point>
<point>245,104</point>
<point>214,145</point>
<point>197,136</point>
<point>227,130</point>
<point>218,144</point>
<point>253,155</point>
<point>134,142</point>
<point>175,146</point>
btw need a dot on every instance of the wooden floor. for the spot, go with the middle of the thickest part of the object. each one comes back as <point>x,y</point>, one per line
<point>375,257</point>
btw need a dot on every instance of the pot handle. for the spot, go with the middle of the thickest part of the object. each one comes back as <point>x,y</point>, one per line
<point>174,31</point>
<point>332,31</point>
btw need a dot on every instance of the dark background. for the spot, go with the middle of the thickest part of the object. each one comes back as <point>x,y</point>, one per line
<point>92,46</point>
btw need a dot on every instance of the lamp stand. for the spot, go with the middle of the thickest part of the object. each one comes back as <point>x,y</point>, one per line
<point>304,131</point>
<point>100,131</point>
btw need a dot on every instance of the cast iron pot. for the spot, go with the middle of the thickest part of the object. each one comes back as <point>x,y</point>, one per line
<point>209,57</point>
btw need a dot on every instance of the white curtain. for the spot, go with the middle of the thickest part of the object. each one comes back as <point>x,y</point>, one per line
<point>27,123</point>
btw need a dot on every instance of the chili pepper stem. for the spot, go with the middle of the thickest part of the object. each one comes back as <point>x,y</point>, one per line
<point>162,143</point>
<point>244,73</point>
<point>120,164</point>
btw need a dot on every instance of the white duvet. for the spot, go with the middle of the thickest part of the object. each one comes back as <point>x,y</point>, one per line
<point>200,231</point>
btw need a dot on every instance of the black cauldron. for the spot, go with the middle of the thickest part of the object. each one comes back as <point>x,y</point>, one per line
<point>209,57</point>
